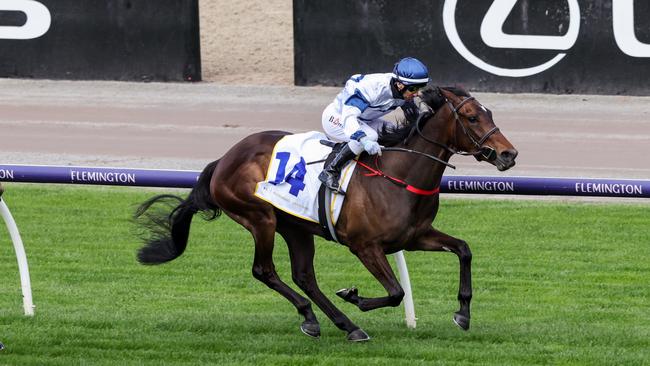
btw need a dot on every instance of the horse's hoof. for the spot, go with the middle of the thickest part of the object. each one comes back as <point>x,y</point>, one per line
<point>462,321</point>
<point>2,346</point>
<point>347,293</point>
<point>358,336</point>
<point>311,329</point>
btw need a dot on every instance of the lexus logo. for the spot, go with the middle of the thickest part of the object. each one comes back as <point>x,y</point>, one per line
<point>493,35</point>
<point>37,23</point>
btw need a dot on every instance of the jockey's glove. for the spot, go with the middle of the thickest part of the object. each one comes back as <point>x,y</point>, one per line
<point>371,147</point>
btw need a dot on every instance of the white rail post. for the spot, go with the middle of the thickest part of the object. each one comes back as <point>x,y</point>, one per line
<point>405,281</point>
<point>21,257</point>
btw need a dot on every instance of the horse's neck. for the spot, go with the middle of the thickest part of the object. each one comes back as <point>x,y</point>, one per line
<point>417,170</point>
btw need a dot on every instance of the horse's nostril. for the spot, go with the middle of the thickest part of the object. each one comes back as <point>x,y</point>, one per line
<point>509,154</point>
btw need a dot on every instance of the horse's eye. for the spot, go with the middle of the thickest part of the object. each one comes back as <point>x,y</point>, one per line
<point>472,119</point>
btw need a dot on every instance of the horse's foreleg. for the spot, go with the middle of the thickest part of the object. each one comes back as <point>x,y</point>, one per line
<point>301,252</point>
<point>374,259</point>
<point>435,240</point>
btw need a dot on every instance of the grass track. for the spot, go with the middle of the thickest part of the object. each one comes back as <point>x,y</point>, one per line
<point>554,283</point>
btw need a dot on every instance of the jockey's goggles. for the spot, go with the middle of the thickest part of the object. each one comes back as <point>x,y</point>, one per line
<point>415,87</point>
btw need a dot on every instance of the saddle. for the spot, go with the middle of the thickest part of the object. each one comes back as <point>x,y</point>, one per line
<point>292,183</point>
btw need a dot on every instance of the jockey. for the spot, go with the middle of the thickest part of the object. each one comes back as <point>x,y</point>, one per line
<point>355,114</point>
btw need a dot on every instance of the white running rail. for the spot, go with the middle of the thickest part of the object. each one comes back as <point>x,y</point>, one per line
<point>409,307</point>
<point>25,283</point>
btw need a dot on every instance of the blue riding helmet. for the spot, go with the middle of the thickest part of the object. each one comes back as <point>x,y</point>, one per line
<point>410,71</point>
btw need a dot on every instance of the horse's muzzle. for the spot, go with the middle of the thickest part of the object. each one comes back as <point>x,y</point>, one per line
<point>506,159</point>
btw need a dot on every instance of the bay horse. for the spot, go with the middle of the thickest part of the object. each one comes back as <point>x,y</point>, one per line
<point>378,216</point>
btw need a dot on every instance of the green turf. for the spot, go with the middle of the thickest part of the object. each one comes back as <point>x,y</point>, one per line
<point>554,284</point>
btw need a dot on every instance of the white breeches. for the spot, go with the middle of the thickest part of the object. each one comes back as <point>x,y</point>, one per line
<point>337,130</point>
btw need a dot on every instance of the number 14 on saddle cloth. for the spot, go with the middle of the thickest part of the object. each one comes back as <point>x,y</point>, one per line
<point>292,184</point>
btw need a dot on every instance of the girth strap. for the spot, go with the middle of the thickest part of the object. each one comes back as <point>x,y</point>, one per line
<point>325,201</point>
<point>324,217</point>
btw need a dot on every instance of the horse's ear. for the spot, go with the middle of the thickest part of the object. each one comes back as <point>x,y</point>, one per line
<point>459,89</point>
<point>455,92</point>
<point>432,96</point>
<point>448,93</point>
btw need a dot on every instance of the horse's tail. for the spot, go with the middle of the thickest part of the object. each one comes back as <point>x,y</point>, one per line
<point>170,228</point>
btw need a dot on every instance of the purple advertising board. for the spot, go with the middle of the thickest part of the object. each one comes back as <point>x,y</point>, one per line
<point>537,186</point>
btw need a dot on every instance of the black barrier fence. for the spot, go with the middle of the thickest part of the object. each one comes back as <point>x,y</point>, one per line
<point>145,40</point>
<point>554,46</point>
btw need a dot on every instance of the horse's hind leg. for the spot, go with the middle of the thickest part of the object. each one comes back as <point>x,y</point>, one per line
<point>232,188</point>
<point>434,240</point>
<point>301,252</point>
<point>374,259</point>
<point>264,270</point>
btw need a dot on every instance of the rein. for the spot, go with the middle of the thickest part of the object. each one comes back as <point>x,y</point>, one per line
<point>378,173</point>
<point>438,160</point>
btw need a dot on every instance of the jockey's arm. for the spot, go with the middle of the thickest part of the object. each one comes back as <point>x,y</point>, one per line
<point>354,106</point>
<point>358,140</point>
<point>349,119</point>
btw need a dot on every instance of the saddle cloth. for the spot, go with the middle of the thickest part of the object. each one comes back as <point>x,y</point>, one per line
<point>292,184</point>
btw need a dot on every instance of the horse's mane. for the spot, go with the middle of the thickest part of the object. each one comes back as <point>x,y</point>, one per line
<point>431,96</point>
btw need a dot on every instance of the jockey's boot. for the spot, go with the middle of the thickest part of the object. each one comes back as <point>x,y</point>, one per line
<point>332,172</point>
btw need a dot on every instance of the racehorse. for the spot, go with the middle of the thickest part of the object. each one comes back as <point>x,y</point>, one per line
<point>378,217</point>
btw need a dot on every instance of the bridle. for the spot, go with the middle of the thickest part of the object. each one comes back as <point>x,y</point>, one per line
<point>486,152</point>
